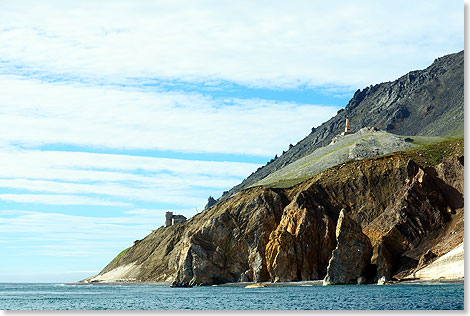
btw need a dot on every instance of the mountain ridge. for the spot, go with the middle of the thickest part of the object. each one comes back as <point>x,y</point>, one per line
<point>416,103</point>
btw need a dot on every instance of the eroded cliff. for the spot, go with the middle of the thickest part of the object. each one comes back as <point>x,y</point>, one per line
<point>408,204</point>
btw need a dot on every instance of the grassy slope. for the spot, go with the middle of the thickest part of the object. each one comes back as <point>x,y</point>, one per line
<point>368,144</point>
<point>120,254</point>
<point>432,154</point>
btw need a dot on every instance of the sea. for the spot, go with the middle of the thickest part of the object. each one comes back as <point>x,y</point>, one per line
<point>42,296</point>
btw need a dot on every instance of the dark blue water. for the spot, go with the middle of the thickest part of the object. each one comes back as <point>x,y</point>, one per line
<point>90,297</point>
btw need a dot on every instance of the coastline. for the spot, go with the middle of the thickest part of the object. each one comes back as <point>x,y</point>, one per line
<point>433,281</point>
<point>121,283</point>
<point>278,284</point>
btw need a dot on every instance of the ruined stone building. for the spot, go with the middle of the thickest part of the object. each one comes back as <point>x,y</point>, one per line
<point>171,219</point>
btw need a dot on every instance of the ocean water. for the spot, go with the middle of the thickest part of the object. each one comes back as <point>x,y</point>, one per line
<point>19,296</point>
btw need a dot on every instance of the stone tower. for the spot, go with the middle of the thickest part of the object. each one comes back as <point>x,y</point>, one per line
<point>347,128</point>
<point>168,218</point>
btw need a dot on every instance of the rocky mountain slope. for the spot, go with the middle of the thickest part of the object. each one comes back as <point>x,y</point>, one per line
<point>366,143</point>
<point>405,208</point>
<point>428,102</point>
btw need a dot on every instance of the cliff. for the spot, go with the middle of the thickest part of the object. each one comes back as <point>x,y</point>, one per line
<point>428,102</point>
<point>409,206</point>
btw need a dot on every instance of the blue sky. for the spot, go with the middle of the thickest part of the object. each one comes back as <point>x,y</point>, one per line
<point>113,113</point>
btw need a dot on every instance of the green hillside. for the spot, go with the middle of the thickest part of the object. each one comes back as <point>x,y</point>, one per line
<point>364,144</point>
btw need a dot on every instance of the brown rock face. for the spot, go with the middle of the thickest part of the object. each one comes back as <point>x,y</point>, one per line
<point>405,208</point>
<point>351,257</point>
<point>230,245</point>
<point>301,245</point>
<point>418,213</point>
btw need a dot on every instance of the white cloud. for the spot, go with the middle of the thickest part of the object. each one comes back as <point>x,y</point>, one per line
<point>123,178</point>
<point>161,194</point>
<point>14,212</point>
<point>58,199</point>
<point>15,159</point>
<point>71,225</point>
<point>262,43</point>
<point>53,243</point>
<point>38,233</point>
<point>132,119</point>
<point>251,43</point>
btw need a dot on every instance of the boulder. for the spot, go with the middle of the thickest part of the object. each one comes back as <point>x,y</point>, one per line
<point>352,255</point>
<point>382,281</point>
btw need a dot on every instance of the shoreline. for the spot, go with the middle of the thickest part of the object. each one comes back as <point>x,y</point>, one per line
<point>278,284</point>
<point>433,281</point>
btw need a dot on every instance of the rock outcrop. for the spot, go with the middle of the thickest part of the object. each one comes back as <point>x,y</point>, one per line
<point>401,202</point>
<point>300,247</point>
<point>210,202</point>
<point>423,205</point>
<point>351,258</point>
<point>230,245</point>
<point>408,204</point>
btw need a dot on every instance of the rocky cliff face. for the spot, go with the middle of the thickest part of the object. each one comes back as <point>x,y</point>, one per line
<point>426,102</point>
<point>406,205</point>
<point>351,258</point>
<point>300,246</point>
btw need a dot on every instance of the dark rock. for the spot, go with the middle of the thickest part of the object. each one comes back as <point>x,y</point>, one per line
<point>384,263</point>
<point>352,255</point>
<point>419,208</point>
<point>210,202</point>
<point>230,245</point>
<point>426,259</point>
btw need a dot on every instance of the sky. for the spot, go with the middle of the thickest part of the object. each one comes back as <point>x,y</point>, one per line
<point>114,112</point>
